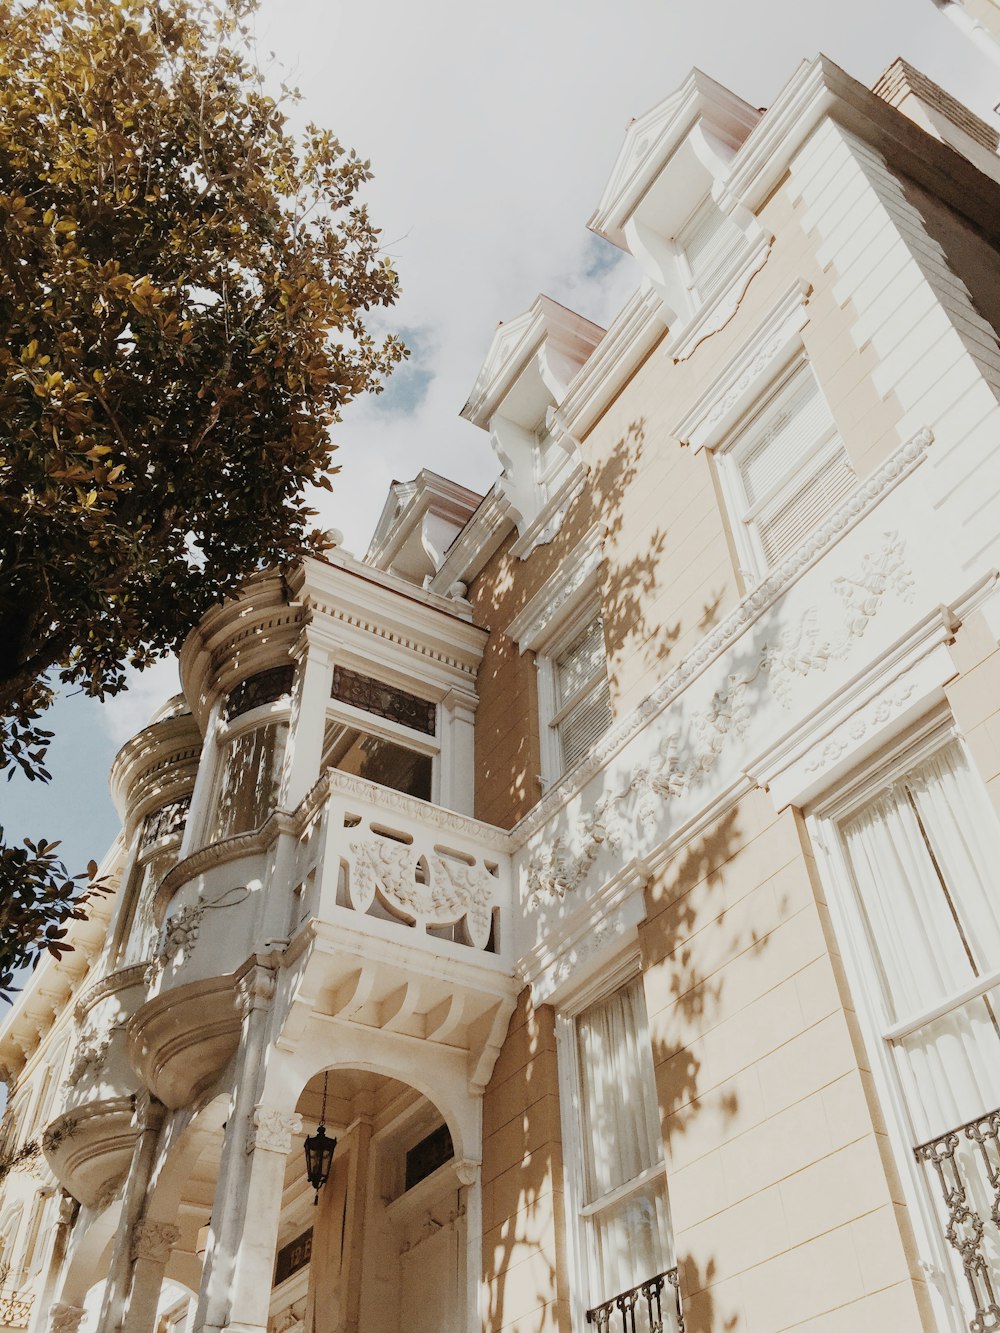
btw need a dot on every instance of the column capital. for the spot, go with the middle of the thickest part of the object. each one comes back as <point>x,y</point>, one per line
<point>467,1171</point>
<point>64,1318</point>
<point>271,1129</point>
<point>153,1240</point>
<point>256,989</point>
<point>460,700</point>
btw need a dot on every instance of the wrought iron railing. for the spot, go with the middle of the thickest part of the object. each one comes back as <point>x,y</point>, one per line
<point>969,1182</point>
<point>15,1309</point>
<point>648,1299</point>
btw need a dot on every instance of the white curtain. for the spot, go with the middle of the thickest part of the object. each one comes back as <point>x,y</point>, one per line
<point>925,854</point>
<point>630,1239</point>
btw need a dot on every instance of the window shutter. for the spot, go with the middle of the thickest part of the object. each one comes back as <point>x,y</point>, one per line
<point>796,517</point>
<point>781,436</point>
<point>582,670</point>
<point>584,657</point>
<point>584,725</point>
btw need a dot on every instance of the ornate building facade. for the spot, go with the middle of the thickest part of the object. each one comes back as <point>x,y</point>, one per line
<point>607,862</point>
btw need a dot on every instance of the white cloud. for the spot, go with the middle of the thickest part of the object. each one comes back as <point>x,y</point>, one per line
<point>125,714</point>
<point>492,130</point>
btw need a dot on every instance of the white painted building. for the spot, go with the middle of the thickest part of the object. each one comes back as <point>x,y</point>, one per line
<point>607,862</point>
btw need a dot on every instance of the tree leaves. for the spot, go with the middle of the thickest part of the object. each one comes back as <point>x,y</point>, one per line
<point>184,303</point>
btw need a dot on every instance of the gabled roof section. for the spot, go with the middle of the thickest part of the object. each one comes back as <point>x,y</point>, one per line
<point>568,340</point>
<point>419,521</point>
<point>652,140</point>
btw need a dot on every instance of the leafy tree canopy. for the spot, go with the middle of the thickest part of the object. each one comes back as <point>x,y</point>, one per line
<point>185,298</point>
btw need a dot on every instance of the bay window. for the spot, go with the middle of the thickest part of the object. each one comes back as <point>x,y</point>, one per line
<point>381,733</point>
<point>252,735</point>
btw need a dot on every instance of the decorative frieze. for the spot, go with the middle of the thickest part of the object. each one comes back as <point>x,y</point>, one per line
<point>432,889</point>
<point>562,866</point>
<point>872,582</point>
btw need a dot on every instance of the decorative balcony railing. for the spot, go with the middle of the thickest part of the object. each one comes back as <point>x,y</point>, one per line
<point>965,1163</point>
<point>15,1309</point>
<point>641,1309</point>
<point>444,874</point>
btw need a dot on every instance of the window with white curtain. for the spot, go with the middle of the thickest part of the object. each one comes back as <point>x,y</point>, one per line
<point>921,852</point>
<point>620,1181</point>
<point>582,704</point>
<point>784,470</point>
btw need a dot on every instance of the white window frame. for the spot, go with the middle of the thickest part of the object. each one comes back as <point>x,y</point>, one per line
<point>743,515</point>
<point>624,970</point>
<point>347,715</point>
<point>552,713</point>
<point>878,1028</point>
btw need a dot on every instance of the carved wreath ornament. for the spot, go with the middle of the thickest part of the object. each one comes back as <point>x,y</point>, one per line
<point>563,866</point>
<point>433,890</point>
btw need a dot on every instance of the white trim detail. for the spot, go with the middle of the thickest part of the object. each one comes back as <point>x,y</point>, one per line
<point>553,604</point>
<point>601,928</point>
<point>772,344</point>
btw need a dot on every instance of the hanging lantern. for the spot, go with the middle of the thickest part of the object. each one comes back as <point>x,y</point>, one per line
<point>319,1148</point>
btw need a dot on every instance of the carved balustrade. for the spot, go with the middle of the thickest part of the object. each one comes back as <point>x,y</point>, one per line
<point>392,857</point>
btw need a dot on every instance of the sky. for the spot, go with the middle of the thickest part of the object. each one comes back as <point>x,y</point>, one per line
<point>492,130</point>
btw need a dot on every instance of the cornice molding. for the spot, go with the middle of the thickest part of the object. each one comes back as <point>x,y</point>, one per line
<point>545,525</point>
<point>749,371</point>
<point>537,618</point>
<point>110,984</point>
<point>633,334</point>
<point>478,541</point>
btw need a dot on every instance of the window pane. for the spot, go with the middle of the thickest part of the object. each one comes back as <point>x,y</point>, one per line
<point>246,790</point>
<point>374,696</point>
<point>629,1239</point>
<point>621,1121</point>
<point>378,760</point>
<point>629,1243</point>
<point>581,661</point>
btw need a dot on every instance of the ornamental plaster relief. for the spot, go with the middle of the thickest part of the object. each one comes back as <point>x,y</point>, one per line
<point>796,651</point>
<point>676,766</point>
<point>836,528</point>
<point>271,1130</point>
<point>153,1241</point>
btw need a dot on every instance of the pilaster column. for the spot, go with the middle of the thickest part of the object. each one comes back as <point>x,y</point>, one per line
<point>235,1179</point>
<point>58,1243</point>
<point>457,725</point>
<point>64,1318</point>
<point>313,682</point>
<point>148,1118</point>
<point>268,1145</point>
<point>152,1244</point>
<point>470,1178</point>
